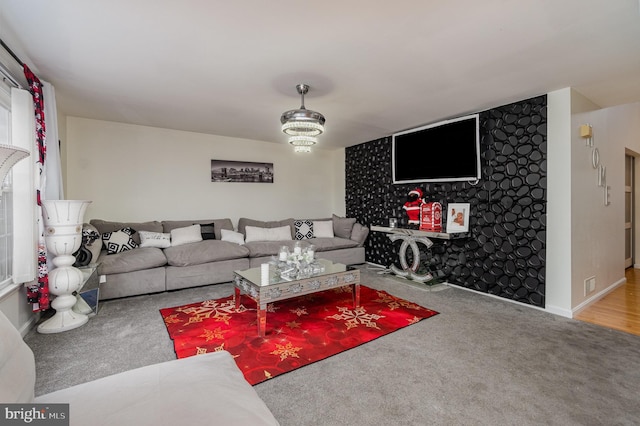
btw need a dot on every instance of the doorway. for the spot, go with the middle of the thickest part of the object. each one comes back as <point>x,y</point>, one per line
<point>620,308</point>
<point>629,174</point>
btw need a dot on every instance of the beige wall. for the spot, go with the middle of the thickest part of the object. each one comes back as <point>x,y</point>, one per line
<point>598,230</point>
<point>138,173</point>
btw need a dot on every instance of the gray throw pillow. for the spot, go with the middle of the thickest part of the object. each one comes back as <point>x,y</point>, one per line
<point>359,234</point>
<point>343,226</point>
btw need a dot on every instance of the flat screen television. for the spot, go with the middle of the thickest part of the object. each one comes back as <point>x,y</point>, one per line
<point>441,152</point>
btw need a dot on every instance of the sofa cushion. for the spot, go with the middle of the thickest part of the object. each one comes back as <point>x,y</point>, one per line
<point>272,248</point>
<point>203,252</point>
<point>106,226</point>
<point>186,235</point>
<point>335,243</point>
<point>218,224</point>
<point>154,239</point>
<point>342,226</point>
<point>119,241</point>
<point>132,260</point>
<point>254,233</point>
<point>243,222</point>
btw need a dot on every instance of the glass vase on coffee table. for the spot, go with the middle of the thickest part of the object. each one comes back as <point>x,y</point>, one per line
<point>63,236</point>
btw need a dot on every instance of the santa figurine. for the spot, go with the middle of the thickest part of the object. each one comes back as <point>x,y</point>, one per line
<point>412,206</point>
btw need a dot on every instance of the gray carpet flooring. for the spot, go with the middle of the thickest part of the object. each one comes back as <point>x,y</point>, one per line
<point>482,361</point>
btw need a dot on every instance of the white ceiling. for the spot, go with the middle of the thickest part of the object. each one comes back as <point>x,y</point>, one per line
<point>374,67</point>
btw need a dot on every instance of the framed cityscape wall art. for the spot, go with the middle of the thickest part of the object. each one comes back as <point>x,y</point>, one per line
<point>457,217</point>
<point>241,171</point>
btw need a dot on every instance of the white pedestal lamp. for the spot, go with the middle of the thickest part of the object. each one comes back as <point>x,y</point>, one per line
<point>63,236</point>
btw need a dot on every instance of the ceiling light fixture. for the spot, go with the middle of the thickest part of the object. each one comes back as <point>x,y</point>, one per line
<point>302,148</point>
<point>302,143</point>
<point>303,125</point>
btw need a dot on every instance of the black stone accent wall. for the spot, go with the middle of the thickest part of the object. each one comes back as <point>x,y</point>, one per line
<point>504,254</point>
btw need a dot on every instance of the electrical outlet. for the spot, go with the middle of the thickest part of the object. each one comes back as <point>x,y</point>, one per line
<point>589,285</point>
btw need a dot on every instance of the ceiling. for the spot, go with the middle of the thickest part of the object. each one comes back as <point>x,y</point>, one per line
<point>374,67</point>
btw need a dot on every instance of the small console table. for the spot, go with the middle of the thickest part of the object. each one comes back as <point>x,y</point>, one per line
<point>410,239</point>
<point>88,294</point>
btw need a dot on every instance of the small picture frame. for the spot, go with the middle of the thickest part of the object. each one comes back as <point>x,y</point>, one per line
<point>458,217</point>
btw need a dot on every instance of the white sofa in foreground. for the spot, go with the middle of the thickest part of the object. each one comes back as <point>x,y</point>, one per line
<point>202,389</point>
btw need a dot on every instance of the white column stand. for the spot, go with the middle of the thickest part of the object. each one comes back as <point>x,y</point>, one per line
<point>63,236</point>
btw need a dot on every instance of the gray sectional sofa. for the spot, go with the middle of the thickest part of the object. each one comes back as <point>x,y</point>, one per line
<point>143,270</point>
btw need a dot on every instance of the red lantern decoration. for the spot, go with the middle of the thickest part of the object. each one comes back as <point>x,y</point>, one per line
<point>431,217</point>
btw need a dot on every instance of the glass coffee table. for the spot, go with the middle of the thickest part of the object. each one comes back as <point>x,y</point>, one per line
<point>276,288</point>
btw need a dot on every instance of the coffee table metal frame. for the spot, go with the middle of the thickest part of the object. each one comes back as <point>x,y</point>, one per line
<point>335,275</point>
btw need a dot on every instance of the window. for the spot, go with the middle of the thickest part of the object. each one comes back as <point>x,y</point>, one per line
<point>6,196</point>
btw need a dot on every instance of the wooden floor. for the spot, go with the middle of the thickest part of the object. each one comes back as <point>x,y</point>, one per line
<point>619,309</point>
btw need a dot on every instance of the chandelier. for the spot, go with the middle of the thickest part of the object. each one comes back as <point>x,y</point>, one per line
<point>302,125</point>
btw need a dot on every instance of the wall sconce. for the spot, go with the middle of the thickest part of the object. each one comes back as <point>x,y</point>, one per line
<point>586,132</point>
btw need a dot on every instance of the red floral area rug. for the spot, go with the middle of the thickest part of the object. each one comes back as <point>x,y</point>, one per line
<point>299,331</point>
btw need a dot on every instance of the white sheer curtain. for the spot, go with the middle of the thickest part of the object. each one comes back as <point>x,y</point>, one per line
<point>53,189</point>
<point>25,236</point>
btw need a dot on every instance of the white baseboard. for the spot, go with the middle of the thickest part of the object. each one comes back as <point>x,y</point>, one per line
<point>526,305</point>
<point>567,313</point>
<point>14,306</point>
<point>555,310</point>
<point>599,295</point>
<point>30,324</point>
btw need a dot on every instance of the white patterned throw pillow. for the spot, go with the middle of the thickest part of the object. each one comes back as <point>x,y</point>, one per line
<point>119,241</point>
<point>304,229</point>
<point>154,239</point>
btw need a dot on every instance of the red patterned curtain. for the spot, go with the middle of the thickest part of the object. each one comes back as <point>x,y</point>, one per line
<point>38,294</point>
